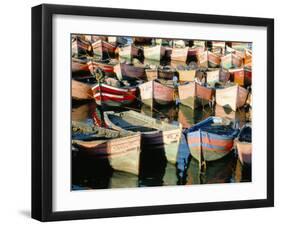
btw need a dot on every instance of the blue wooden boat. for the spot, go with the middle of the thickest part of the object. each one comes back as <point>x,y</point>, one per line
<point>211,139</point>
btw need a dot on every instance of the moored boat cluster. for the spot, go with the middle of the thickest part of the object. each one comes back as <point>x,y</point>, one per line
<point>119,72</point>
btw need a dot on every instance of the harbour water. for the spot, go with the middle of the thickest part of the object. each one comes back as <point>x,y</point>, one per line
<point>154,170</point>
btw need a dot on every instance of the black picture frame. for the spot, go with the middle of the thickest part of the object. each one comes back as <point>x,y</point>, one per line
<point>42,111</point>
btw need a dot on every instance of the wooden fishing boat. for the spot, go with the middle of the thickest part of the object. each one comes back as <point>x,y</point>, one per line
<point>232,97</point>
<point>151,74</point>
<point>242,76</point>
<point>199,43</point>
<point>154,52</point>
<point>211,139</point>
<point>241,46</point>
<point>113,96</point>
<point>231,60</point>
<point>103,49</point>
<point>179,44</point>
<point>128,52</point>
<point>213,77</point>
<point>218,47</point>
<point>154,133</point>
<point>80,91</point>
<point>203,59</point>
<point>179,54</point>
<point>248,59</point>
<point>186,75</point>
<point>214,60</point>
<point>153,92</point>
<point>79,67</point>
<point>80,47</point>
<point>166,72</point>
<point>107,68</point>
<point>121,148</point>
<point>194,95</point>
<point>244,144</point>
<point>129,71</point>
<point>116,40</point>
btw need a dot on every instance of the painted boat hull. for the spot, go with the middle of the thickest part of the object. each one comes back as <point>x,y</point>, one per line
<point>231,61</point>
<point>232,97</point>
<point>163,135</point>
<point>108,69</point>
<point>153,92</point>
<point>213,60</point>
<point>112,96</point>
<point>154,53</point>
<point>194,95</point>
<point>123,153</point>
<point>128,52</point>
<point>130,71</point>
<point>103,49</point>
<point>187,75</point>
<point>80,47</point>
<point>179,54</point>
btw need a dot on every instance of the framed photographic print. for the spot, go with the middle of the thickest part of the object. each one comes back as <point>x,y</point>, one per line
<point>146,112</point>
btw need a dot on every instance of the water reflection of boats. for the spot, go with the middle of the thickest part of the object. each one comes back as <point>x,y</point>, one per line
<point>238,116</point>
<point>88,172</point>
<point>219,171</point>
<point>244,144</point>
<point>112,96</point>
<point>188,116</point>
<point>121,148</point>
<point>195,95</point>
<point>243,173</point>
<point>211,139</point>
<point>154,132</point>
<point>153,92</point>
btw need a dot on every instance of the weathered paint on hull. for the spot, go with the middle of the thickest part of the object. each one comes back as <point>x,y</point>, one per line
<point>122,153</point>
<point>211,147</point>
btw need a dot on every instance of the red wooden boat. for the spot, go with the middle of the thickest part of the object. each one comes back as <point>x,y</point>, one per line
<point>113,96</point>
<point>107,68</point>
<point>79,67</point>
<point>242,76</point>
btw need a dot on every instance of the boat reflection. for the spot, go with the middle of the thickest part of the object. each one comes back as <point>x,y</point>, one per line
<point>219,171</point>
<point>188,116</point>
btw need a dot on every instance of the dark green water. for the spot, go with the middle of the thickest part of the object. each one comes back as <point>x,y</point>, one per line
<point>154,169</point>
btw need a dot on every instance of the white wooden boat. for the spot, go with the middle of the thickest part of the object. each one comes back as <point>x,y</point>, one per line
<point>154,133</point>
<point>232,97</point>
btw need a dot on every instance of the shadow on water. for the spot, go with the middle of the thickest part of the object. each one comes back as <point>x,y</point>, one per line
<point>243,172</point>
<point>90,171</point>
<point>219,171</point>
<point>153,162</point>
<point>154,170</point>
